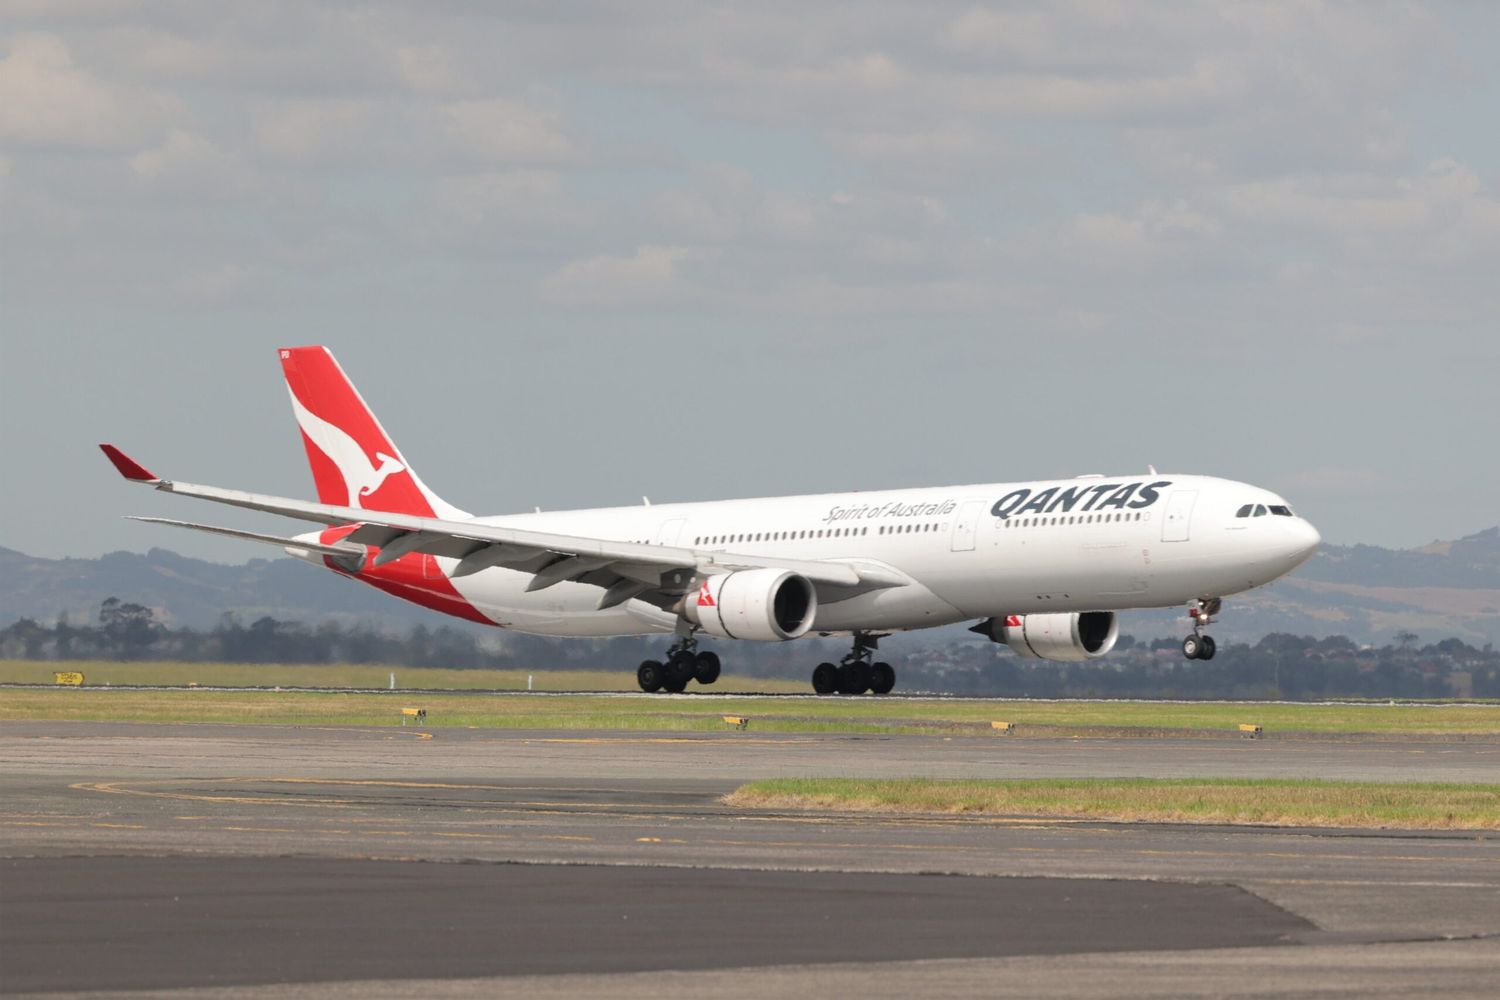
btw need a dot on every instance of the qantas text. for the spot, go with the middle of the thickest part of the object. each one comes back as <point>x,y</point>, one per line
<point>1104,496</point>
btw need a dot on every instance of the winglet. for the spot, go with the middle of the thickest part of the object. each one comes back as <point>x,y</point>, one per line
<point>127,466</point>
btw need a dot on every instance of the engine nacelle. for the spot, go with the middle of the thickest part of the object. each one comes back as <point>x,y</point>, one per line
<point>1069,637</point>
<point>764,604</point>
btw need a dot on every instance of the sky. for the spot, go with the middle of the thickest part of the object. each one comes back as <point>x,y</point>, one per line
<point>573,254</point>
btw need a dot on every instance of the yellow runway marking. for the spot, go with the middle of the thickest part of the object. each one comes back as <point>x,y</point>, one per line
<point>120,826</point>
<point>373,782</point>
<point>115,788</point>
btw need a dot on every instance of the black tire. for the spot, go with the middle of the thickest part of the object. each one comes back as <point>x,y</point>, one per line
<point>1209,648</point>
<point>673,685</point>
<point>882,678</point>
<point>706,667</point>
<point>680,669</point>
<point>1192,647</point>
<point>650,676</point>
<point>825,678</point>
<point>854,678</point>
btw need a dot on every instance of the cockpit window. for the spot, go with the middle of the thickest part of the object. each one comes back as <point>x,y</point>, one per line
<point>1281,511</point>
<point>1260,510</point>
<point>1244,511</point>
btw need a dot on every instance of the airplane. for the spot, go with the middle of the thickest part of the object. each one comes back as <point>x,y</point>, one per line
<point>1044,567</point>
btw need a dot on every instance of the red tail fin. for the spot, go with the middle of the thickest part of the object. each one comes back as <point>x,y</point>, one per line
<point>354,462</point>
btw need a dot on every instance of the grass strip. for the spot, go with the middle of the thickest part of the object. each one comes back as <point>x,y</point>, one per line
<point>1226,801</point>
<point>702,712</point>
<point>365,676</point>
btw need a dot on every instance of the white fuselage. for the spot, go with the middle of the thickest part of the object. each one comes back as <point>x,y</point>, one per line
<point>968,552</point>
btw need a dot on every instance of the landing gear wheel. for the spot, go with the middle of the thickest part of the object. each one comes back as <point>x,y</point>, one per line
<point>825,678</point>
<point>854,678</point>
<point>1192,647</point>
<point>650,676</point>
<point>1209,648</point>
<point>706,667</point>
<point>882,678</point>
<point>681,668</point>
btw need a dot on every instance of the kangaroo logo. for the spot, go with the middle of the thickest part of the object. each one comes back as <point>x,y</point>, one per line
<point>361,478</point>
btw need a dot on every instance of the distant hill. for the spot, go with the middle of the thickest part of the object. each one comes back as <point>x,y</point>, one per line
<point>1445,589</point>
<point>191,592</point>
<point>1469,562</point>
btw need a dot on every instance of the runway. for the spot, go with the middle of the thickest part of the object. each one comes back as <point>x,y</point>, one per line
<point>447,862</point>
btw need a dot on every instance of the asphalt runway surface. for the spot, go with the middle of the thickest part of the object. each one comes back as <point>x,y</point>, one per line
<point>342,861</point>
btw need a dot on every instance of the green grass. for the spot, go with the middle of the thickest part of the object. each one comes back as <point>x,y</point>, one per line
<point>348,675</point>
<point>701,712</point>
<point>1196,800</point>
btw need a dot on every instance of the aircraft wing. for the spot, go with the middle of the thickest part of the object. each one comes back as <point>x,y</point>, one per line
<point>624,569</point>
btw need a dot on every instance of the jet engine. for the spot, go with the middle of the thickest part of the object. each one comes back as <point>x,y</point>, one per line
<point>1071,638</point>
<point>764,604</point>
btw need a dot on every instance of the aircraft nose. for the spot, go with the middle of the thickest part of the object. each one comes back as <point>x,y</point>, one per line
<point>1304,541</point>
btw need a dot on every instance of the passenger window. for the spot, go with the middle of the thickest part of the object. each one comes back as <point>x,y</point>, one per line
<point>1244,511</point>
<point>1260,510</point>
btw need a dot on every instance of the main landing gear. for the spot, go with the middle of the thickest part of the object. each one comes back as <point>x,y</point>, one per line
<point>1199,646</point>
<point>855,673</point>
<point>685,662</point>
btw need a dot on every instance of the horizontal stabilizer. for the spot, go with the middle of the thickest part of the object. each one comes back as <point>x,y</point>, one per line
<point>343,549</point>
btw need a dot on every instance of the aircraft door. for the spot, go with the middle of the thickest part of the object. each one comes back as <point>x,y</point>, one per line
<point>965,524</point>
<point>1178,516</point>
<point>669,531</point>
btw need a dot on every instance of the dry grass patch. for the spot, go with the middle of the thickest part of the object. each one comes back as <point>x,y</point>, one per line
<point>1270,801</point>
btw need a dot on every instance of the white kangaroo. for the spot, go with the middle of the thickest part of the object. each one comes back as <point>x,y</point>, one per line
<point>360,477</point>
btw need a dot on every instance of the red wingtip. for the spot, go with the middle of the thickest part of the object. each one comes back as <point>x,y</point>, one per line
<point>127,466</point>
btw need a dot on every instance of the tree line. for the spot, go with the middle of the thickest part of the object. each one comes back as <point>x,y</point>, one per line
<point>1277,666</point>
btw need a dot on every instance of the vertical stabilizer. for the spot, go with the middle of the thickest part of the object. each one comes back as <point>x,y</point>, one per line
<point>354,461</point>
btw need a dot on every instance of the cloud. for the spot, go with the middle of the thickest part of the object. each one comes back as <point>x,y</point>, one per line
<point>505,131</point>
<point>1441,216</point>
<point>187,165</point>
<point>649,276</point>
<point>503,212</point>
<point>48,102</point>
<point>317,130</point>
<point>1154,229</point>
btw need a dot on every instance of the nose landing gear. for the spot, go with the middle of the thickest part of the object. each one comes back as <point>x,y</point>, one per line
<point>1199,646</point>
<point>856,673</point>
